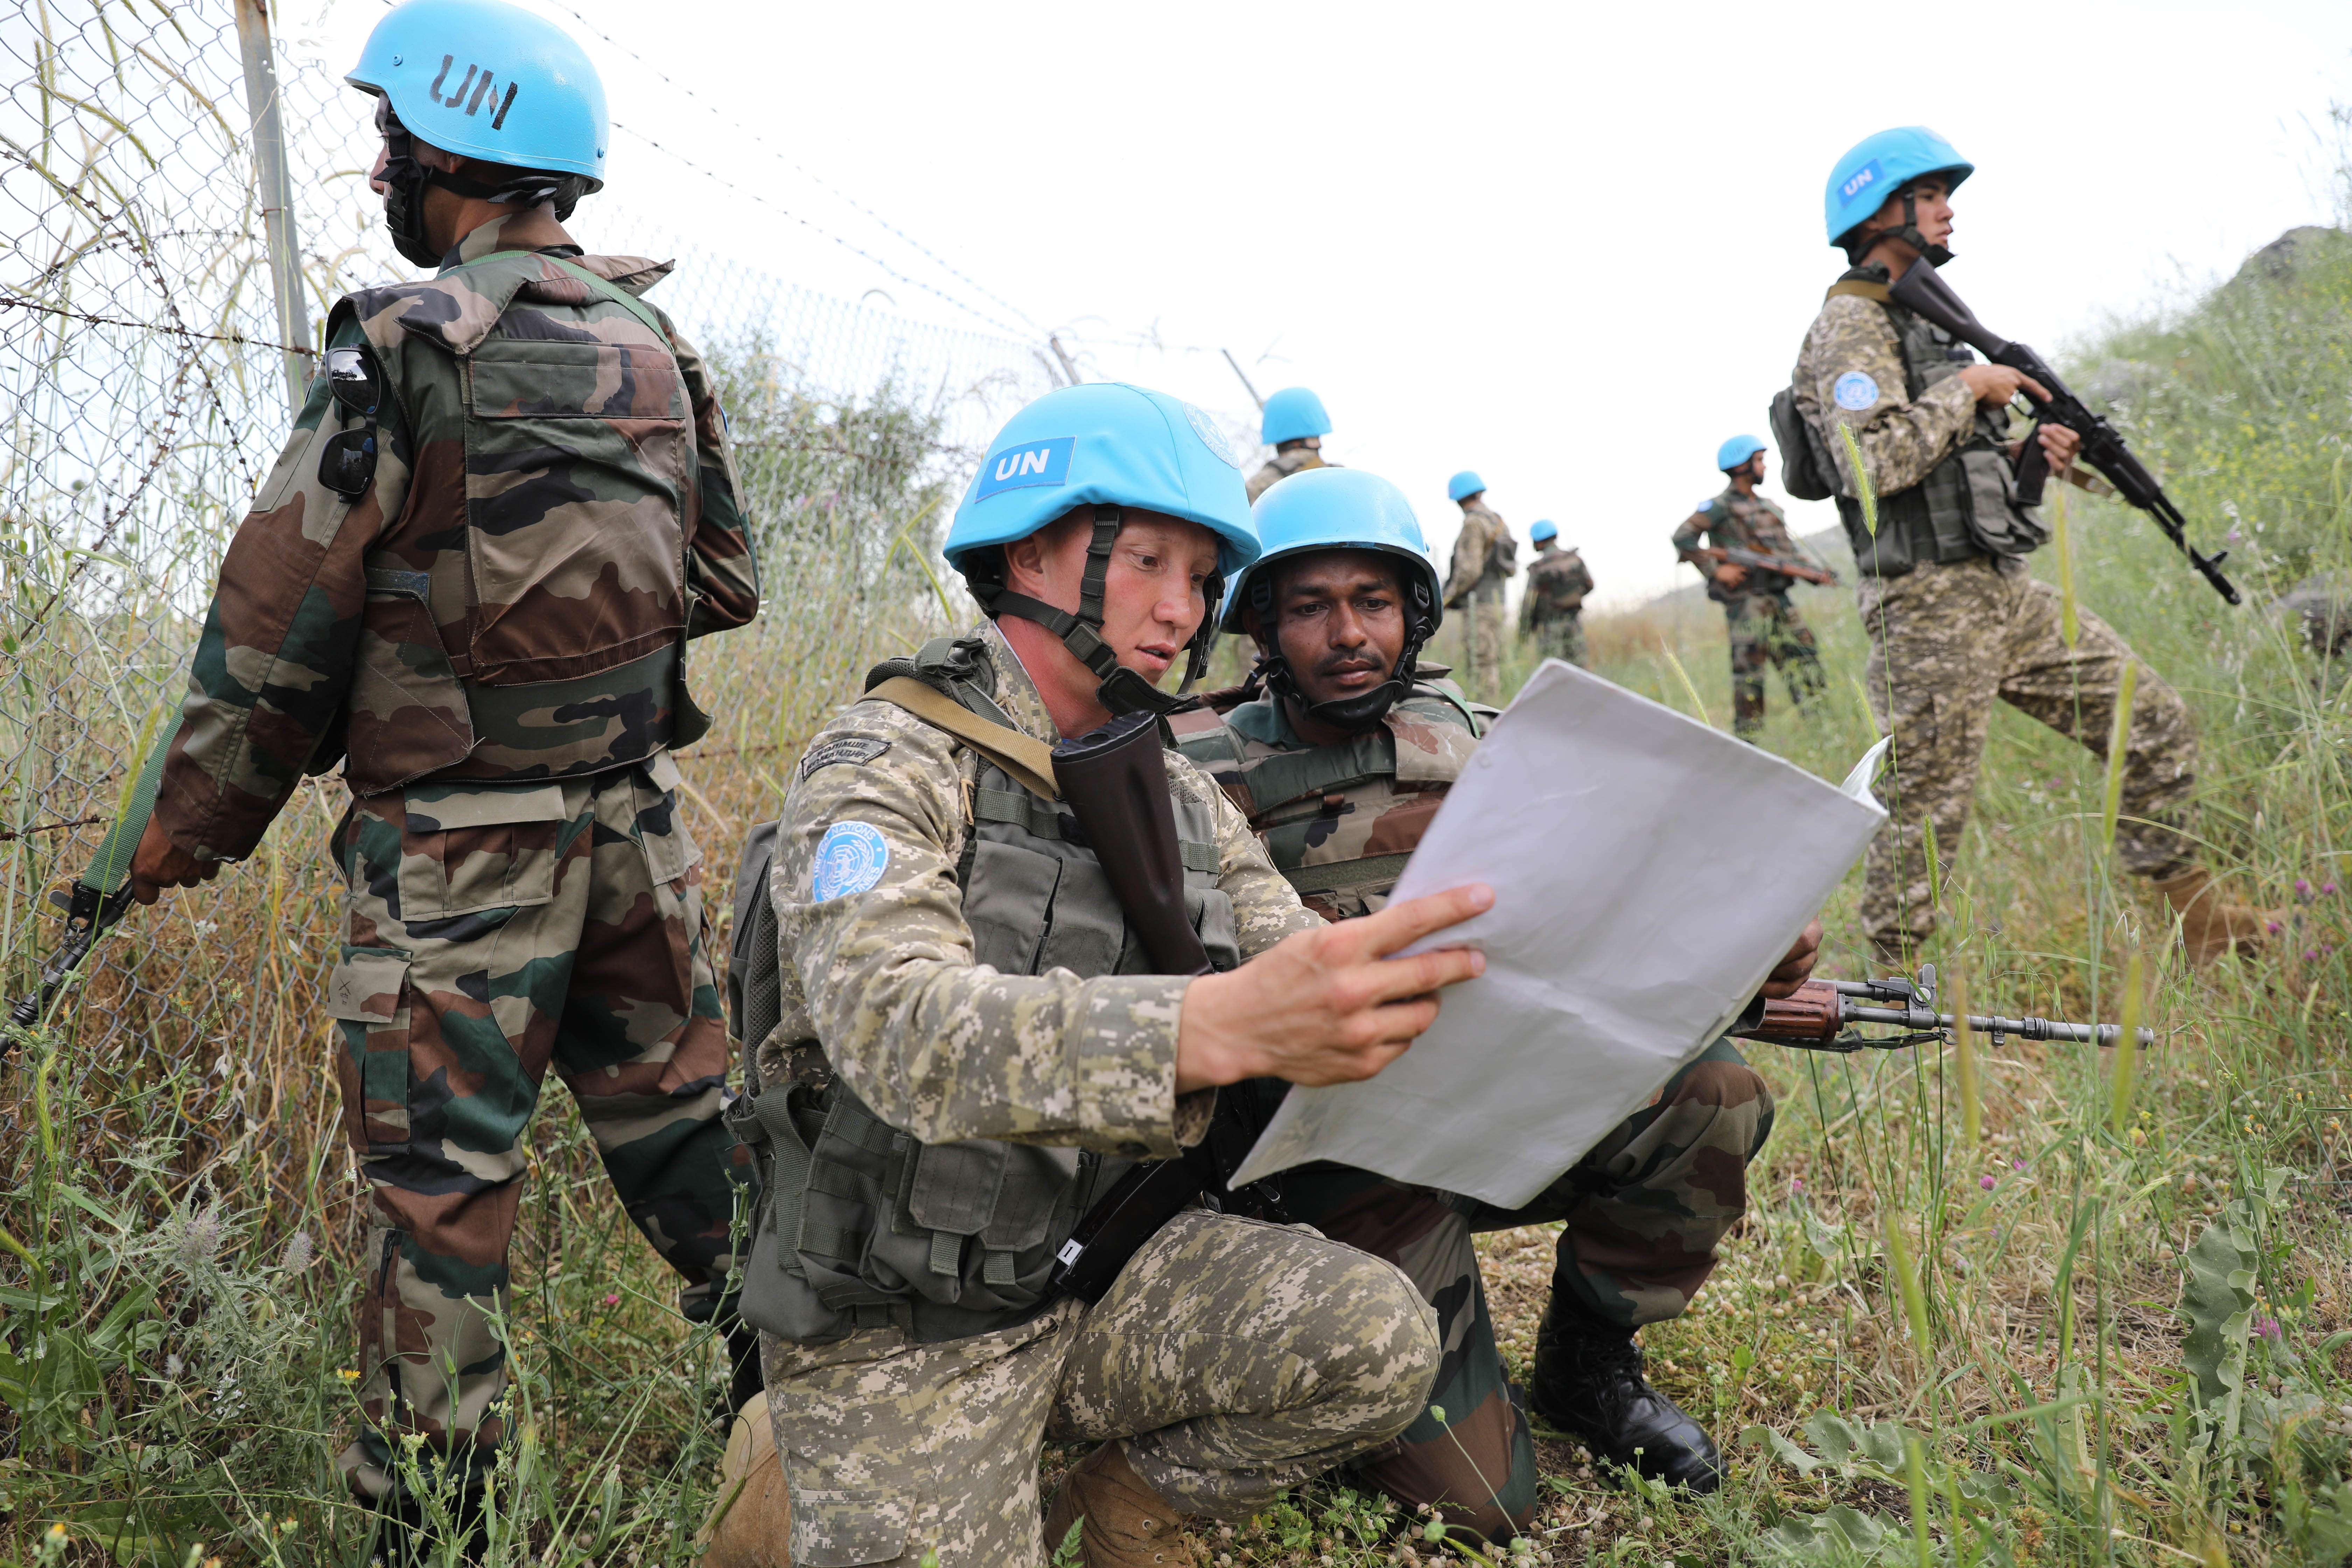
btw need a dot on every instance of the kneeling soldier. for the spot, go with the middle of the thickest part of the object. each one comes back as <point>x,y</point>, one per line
<point>1341,764</point>
<point>973,1050</point>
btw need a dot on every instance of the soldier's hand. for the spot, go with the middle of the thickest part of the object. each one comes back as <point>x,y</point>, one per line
<point>158,863</point>
<point>1731,573</point>
<point>1328,1005</point>
<point>2062,444</point>
<point>1996,383</point>
<point>1797,967</point>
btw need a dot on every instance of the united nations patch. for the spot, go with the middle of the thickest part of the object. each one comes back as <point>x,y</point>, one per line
<point>850,859</point>
<point>855,749</point>
<point>1211,437</point>
<point>1854,390</point>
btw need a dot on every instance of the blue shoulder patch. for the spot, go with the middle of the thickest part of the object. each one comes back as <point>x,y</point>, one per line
<point>1854,390</point>
<point>850,859</point>
<point>1018,468</point>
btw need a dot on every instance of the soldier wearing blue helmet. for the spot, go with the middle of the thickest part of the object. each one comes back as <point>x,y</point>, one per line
<point>1956,620</point>
<point>1341,751</point>
<point>1552,610</point>
<point>1294,425</point>
<point>1765,629</point>
<point>970,1049</point>
<point>1486,556</point>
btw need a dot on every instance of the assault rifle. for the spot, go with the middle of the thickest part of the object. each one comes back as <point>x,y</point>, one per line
<point>1115,780</point>
<point>1823,1013</point>
<point>101,896</point>
<point>1757,560</point>
<point>1923,291</point>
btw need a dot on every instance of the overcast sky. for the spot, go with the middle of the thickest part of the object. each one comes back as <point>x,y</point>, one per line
<point>1573,247</point>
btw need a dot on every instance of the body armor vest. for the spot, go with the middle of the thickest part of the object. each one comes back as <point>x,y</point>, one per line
<point>545,635</point>
<point>1967,505</point>
<point>859,1225</point>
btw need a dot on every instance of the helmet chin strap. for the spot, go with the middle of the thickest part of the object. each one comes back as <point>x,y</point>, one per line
<point>1353,714</point>
<point>1909,234</point>
<point>1119,688</point>
<point>405,181</point>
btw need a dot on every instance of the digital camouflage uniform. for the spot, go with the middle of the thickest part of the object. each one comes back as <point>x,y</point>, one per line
<point>1645,1209</point>
<point>491,638</point>
<point>1281,466</point>
<point>1552,610</point>
<point>1953,627</point>
<point>1764,627</point>
<point>1485,556</point>
<point>1235,1358</point>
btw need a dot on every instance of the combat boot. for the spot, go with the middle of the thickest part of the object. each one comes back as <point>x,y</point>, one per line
<point>2209,926</point>
<point>756,1531</point>
<point>1127,1523</point>
<point>1587,1380</point>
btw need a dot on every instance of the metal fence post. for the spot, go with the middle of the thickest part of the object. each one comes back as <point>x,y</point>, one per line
<point>276,190</point>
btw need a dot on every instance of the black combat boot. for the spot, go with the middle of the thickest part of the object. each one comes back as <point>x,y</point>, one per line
<point>1587,1380</point>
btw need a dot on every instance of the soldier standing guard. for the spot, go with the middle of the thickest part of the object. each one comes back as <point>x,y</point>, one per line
<point>1294,425</point>
<point>1763,626</point>
<point>1341,759</point>
<point>971,1050</point>
<point>1553,610</point>
<point>1954,620</point>
<point>1485,556</point>
<point>506,507</point>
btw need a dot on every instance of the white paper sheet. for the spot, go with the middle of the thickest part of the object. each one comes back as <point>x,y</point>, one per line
<point>1648,873</point>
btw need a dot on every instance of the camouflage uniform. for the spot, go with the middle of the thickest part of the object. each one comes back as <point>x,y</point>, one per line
<point>1234,1358</point>
<point>1645,1209</point>
<point>498,662</point>
<point>1281,466</point>
<point>1764,627</point>
<point>1484,553</point>
<point>1952,627</point>
<point>1553,609</point>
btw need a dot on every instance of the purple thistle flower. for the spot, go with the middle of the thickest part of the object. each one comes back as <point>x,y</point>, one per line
<point>2310,953</point>
<point>2268,1329</point>
<point>2327,887</point>
<point>1796,1187</point>
<point>2017,1165</point>
<point>1986,1183</point>
<point>2274,927</point>
<point>2302,889</point>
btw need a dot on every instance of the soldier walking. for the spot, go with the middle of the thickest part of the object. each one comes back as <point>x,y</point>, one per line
<point>506,507</point>
<point>1764,627</point>
<point>1552,610</point>
<point>1292,423</point>
<point>1954,621</point>
<point>971,1050</point>
<point>1485,557</point>
<point>1341,757</point>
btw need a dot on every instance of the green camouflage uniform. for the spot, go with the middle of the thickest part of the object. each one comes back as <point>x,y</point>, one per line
<point>1954,628</point>
<point>1645,1209</point>
<point>1234,1358</point>
<point>1764,627</point>
<point>1281,466</point>
<point>1485,557</point>
<point>1552,610</point>
<point>491,638</point>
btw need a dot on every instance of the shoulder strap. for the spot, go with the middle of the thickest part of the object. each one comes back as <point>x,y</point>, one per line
<point>1860,287</point>
<point>1028,760</point>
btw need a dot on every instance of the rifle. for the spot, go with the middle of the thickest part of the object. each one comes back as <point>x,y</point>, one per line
<point>1114,779</point>
<point>1923,291</point>
<point>1820,1017</point>
<point>101,896</point>
<point>1757,560</point>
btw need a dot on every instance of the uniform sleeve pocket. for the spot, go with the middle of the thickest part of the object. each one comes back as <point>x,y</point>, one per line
<point>847,1528</point>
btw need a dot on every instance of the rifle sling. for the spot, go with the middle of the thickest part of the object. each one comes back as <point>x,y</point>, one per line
<point>1860,289</point>
<point>1029,760</point>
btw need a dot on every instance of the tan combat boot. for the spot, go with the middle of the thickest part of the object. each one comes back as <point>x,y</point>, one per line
<point>757,1530</point>
<point>1126,1524</point>
<point>2209,926</point>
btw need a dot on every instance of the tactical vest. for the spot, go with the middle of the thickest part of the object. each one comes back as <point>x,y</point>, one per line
<point>547,637</point>
<point>1291,797</point>
<point>859,1225</point>
<point>1967,505</point>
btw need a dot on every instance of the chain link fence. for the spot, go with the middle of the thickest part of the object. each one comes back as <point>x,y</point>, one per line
<point>145,362</point>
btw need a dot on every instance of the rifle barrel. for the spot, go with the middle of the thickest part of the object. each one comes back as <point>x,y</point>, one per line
<point>2025,1028</point>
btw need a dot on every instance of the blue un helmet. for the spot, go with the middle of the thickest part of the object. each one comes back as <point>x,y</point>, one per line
<point>489,80</point>
<point>1466,483</point>
<point>1736,451</point>
<point>1339,508</point>
<point>1293,415</point>
<point>1543,529</point>
<point>1878,166</point>
<point>1105,445</point>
